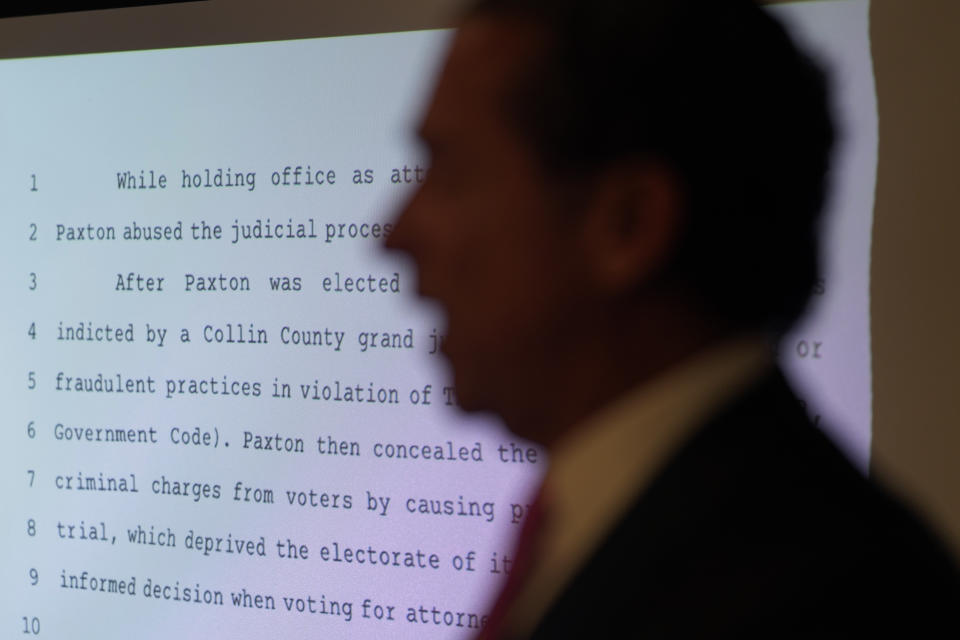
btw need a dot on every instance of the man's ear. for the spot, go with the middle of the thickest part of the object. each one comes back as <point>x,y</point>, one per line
<point>635,215</point>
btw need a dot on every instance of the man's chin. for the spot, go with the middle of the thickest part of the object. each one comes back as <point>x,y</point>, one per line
<point>473,387</point>
<point>468,396</point>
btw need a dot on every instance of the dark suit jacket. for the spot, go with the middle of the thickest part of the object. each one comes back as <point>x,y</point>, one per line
<point>759,527</point>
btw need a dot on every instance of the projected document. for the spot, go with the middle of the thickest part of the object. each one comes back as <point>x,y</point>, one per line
<point>225,410</point>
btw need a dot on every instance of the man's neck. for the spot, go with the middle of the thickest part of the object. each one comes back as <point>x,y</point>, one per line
<point>611,355</point>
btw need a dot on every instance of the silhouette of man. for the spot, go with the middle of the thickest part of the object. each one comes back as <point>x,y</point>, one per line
<point>618,222</point>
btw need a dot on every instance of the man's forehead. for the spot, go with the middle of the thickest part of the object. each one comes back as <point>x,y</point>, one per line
<point>487,57</point>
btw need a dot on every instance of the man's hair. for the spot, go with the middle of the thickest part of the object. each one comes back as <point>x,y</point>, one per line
<point>717,91</point>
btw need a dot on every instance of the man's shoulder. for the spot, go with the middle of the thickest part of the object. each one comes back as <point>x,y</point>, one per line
<point>758,518</point>
<point>760,477</point>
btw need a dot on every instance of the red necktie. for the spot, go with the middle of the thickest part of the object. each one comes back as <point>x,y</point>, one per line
<point>523,557</point>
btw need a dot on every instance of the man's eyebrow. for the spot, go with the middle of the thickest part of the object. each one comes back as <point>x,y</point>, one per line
<point>428,135</point>
<point>432,140</point>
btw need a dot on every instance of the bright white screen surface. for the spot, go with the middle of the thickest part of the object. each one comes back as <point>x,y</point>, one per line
<point>68,127</point>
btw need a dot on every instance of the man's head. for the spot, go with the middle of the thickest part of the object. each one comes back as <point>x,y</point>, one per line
<point>640,173</point>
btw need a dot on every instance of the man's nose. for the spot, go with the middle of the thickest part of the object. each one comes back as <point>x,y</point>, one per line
<point>402,233</point>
